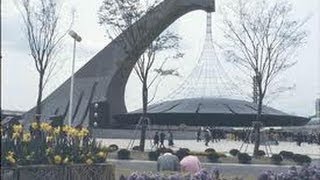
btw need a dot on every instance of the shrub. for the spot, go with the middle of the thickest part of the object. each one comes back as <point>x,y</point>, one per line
<point>234,152</point>
<point>182,152</point>
<point>136,148</point>
<point>113,148</point>
<point>165,150</point>
<point>244,158</point>
<point>210,150</point>
<point>123,154</point>
<point>276,159</point>
<point>153,155</point>
<point>288,155</point>
<point>221,155</point>
<point>301,159</point>
<point>213,157</point>
<point>261,153</point>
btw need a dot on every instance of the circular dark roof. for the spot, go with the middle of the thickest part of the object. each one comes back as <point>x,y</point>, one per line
<point>211,111</point>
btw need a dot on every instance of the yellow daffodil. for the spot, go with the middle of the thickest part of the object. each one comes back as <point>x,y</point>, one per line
<point>102,154</point>
<point>49,138</point>
<point>66,160</point>
<point>48,151</point>
<point>15,135</point>
<point>34,125</point>
<point>46,127</point>
<point>26,137</point>
<point>89,161</point>
<point>17,128</point>
<point>11,159</point>
<point>56,131</point>
<point>10,153</point>
<point>57,159</point>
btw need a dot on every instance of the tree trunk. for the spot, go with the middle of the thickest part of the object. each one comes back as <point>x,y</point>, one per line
<point>39,99</point>
<point>257,126</point>
<point>144,115</point>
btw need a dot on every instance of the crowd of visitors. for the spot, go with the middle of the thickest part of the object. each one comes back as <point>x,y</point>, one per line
<point>161,138</point>
<point>246,135</point>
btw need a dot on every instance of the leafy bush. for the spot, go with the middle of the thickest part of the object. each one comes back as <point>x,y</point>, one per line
<point>45,144</point>
<point>164,150</point>
<point>198,153</point>
<point>234,152</point>
<point>182,152</point>
<point>221,155</point>
<point>210,150</point>
<point>136,148</point>
<point>113,148</point>
<point>261,153</point>
<point>288,155</point>
<point>244,158</point>
<point>301,159</point>
<point>276,159</point>
<point>213,157</point>
<point>123,154</point>
<point>153,155</point>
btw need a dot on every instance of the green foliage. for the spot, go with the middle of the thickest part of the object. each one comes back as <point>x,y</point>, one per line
<point>123,154</point>
<point>45,144</point>
<point>301,159</point>
<point>164,150</point>
<point>234,152</point>
<point>213,157</point>
<point>261,153</point>
<point>244,158</point>
<point>276,159</point>
<point>288,155</point>
<point>113,148</point>
<point>153,155</point>
<point>182,152</point>
<point>210,150</point>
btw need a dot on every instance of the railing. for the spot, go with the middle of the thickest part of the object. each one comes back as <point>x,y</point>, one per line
<point>103,171</point>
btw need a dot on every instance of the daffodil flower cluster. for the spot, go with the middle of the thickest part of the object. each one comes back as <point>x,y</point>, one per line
<point>45,144</point>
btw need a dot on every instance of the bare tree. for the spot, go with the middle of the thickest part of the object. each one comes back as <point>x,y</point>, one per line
<point>263,38</point>
<point>117,16</point>
<point>41,26</point>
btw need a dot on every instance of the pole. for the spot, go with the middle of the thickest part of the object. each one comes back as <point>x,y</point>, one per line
<point>72,84</point>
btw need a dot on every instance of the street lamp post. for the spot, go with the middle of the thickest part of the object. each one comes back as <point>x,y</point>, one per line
<point>76,38</point>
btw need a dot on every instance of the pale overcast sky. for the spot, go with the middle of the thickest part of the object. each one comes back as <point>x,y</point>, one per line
<point>19,79</point>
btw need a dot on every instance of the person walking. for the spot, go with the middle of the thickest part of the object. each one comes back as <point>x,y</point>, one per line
<point>198,134</point>
<point>207,136</point>
<point>156,140</point>
<point>170,139</point>
<point>162,138</point>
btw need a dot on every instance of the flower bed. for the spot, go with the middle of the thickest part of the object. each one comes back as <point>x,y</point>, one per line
<point>99,171</point>
<point>49,152</point>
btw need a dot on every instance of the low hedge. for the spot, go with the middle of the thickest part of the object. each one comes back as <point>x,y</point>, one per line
<point>213,157</point>
<point>113,148</point>
<point>182,152</point>
<point>209,150</point>
<point>288,155</point>
<point>244,158</point>
<point>153,155</point>
<point>123,154</point>
<point>276,159</point>
<point>301,159</point>
<point>234,152</point>
<point>261,153</point>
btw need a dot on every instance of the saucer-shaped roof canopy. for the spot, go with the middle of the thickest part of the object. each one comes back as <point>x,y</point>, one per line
<point>212,112</point>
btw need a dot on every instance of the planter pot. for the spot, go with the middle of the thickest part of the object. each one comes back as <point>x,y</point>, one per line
<point>103,171</point>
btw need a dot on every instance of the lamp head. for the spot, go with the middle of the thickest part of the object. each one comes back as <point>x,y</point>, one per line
<point>75,36</point>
